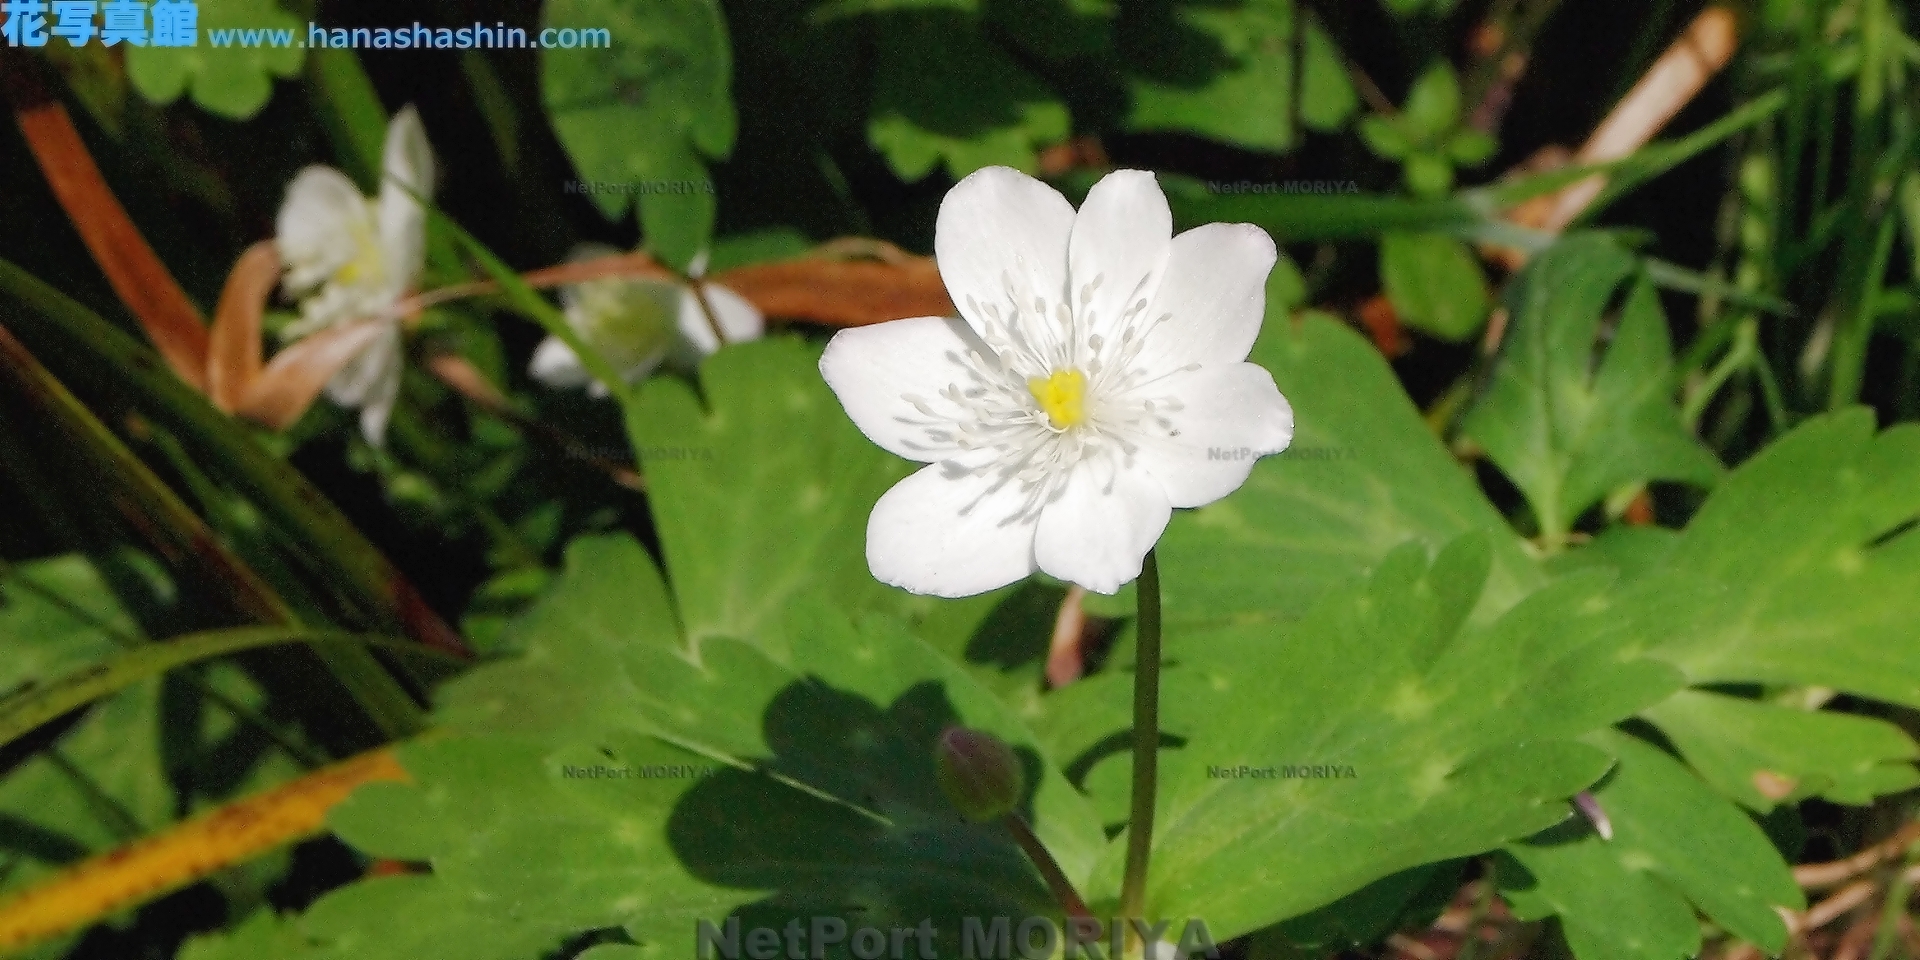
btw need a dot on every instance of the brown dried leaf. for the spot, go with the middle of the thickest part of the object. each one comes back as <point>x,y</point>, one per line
<point>136,273</point>
<point>234,353</point>
<point>296,375</point>
<point>840,293</point>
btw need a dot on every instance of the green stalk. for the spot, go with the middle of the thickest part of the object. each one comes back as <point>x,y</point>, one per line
<point>1739,358</point>
<point>1146,747</point>
<point>1056,878</point>
<point>385,702</point>
<point>126,375</point>
<point>1855,330</point>
<point>27,711</point>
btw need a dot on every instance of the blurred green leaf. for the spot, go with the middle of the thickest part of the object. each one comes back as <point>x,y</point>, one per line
<point>1470,148</point>
<point>1434,283</point>
<point>231,81</point>
<point>1384,137</point>
<point>1433,105</point>
<point>1428,173</point>
<point>1286,288</point>
<point>1566,433</point>
<point>1226,71</point>
<point>832,10</point>
<point>102,782</point>
<point>1408,8</point>
<point>640,116</point>
<point>922,119</point>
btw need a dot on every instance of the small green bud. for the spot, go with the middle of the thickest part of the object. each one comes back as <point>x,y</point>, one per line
<point>979,773</point>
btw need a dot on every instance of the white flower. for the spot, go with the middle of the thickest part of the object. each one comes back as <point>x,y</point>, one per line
<point>637,323</point>
<point>1099,380</point>
<point>350,257</point>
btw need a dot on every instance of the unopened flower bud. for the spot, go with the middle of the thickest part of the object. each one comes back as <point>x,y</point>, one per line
<point>979,773</point>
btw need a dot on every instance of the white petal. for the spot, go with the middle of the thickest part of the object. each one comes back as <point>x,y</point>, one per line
<point>941,532</point>
<point>406,156</point>
<point>379,409</point>
<point>556,365</point>
<point>1099,529</point>
<point>371,382</point>
<point>874,369</point>
<point>318,224</point>
<point>407,174</point>
<point>1121,237</point>
<point>1231,417</point>
<point>356,381</point>
<point>739,319</point>
<point>1215,291</point>
<point>998,226</point>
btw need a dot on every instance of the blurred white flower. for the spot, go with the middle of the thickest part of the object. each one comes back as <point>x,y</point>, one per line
<point>638,323</point>
<point>350,257</point>
<point>1098,380</point>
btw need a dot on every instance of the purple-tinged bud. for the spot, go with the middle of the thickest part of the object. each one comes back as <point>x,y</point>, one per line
<point>979,773</point>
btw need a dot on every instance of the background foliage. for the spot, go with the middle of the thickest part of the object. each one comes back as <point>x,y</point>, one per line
<point>1594,557</point>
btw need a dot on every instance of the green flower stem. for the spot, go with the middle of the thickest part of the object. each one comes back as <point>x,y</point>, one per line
<point>1057,881</point>
<point>1146,746</point>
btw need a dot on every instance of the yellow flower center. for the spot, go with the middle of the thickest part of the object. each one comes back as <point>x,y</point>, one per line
<point>1062,396</point>
<point>367,265</point>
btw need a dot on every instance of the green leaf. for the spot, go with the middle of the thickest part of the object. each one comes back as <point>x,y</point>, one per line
<point>1300,217</point>
<point>742,776</point>
<point>1286,288</point>
<point>771,451</point>
<point>1674,841</point>
<point>640,117</point>
<point>1364,475</point>
<point>231,81</point>
<point>102,782</point>
<point>1433,105</point>
<point>1384,137</point>
<point>832,10</point>
<point>1739,745</point>
<point>1633,551</point>
<point>1367,915</point>
<point>1434,283</point>
<point>1799,569</point>
<point>1226,72</point>
<point>1471,148</point>
<point>919,120</point>
<point>1565,433</point>
<point>1456,737</point>
<point>1428,173</point>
